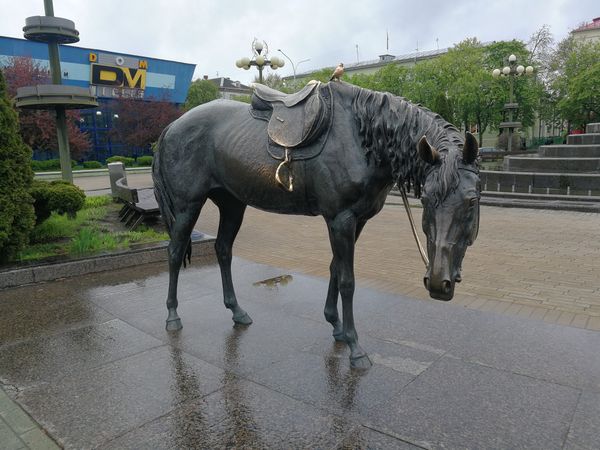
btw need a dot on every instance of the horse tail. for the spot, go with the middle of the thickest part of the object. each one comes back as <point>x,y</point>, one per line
<point>163,195</point>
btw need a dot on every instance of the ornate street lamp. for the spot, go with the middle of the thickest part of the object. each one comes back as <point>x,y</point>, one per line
<point>511,71</point>
<point>260,59</point>
<point>294,66</point>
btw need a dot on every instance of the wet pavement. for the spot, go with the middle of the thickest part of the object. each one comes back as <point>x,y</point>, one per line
<point>89,360</point>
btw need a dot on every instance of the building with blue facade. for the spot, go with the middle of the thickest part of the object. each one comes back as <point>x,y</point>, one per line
<point>112,75</point>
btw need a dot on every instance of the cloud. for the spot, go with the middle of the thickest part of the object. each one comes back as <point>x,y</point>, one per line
<point>214,34</point>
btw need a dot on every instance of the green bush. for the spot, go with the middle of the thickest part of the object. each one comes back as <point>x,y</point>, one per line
<point>128,162</point>
<point>92,165</point>
<point>16,210</point>
<point>49,164</point>
<point>60,196</point>
<point>144,161</point>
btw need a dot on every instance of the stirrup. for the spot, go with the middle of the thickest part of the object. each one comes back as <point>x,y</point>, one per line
<point>287,160</point>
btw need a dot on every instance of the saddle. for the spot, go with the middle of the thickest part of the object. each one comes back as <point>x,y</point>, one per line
<point>295,121</point>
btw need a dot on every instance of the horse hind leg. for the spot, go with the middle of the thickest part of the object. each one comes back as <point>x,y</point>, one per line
<point>331,311</point>
<point>231,212</point>
<point>177,249</point>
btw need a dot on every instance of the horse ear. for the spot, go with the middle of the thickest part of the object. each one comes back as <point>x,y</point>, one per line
<point>427,153</point>
<point>470,149</point>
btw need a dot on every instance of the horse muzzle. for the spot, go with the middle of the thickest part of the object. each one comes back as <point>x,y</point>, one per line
<point>441,276</point>
<point>439,289</point>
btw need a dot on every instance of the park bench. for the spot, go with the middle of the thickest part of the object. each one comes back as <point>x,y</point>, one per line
<point>138,204</point>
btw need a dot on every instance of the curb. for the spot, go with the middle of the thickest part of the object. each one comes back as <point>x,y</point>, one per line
<point>202,248</point>
<point>56,175</point>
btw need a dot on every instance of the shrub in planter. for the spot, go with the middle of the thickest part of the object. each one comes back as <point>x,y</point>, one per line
<point>92,165</point>
<point>60,196</point>
<point>127,162</point>
<point>144,160</point>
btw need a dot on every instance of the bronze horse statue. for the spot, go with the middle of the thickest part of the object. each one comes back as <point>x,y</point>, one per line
<point>344,147</point>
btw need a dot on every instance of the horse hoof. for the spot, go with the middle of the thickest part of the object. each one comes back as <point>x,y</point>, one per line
<point>361,362</point>
<point>174,325</point>
<point>242,319</point>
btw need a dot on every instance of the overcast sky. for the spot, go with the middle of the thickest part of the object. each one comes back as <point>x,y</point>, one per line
<point>214,34</point>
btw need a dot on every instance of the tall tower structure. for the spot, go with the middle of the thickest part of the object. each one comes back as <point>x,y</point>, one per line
<point>56,96</point>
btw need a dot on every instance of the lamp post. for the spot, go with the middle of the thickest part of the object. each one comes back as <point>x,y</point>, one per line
<point>260,59</point>
<point>511,71</point>
<point>294,66</point>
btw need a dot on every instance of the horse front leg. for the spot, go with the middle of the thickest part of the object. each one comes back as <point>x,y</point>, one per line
<point>231,214</point>
<point>342,231</point>
<point>331,310</point>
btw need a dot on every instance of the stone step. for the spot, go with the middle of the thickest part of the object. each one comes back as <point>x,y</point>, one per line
<point>584,139</point>
<point>569,151</point>
<point>579,183</point>
<point>551,165</point>
<point>592,128</point>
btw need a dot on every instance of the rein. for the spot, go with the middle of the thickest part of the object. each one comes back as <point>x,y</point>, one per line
<point>412,226</point>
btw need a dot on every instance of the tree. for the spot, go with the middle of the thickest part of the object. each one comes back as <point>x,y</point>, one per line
<point>391,78</point>
<point>577,83</point>
<point>37,127</point>
<point>141,122</point>
<point>273,80</point>
<point>16,205</point>
<point>201,91</point>
<point>540,50</point>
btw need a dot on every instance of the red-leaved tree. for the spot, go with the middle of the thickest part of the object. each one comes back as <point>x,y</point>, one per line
<point>38,127</point>
<point>141,122</point>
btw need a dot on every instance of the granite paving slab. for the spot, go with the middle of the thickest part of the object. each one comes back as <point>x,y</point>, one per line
<point>240,415</point>
<point>44,359</point>
<point>89,359</point>
<point>455,404</point>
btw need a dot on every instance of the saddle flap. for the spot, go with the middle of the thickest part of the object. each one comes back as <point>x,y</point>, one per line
<point>291,127</point>
<point>269,95</point>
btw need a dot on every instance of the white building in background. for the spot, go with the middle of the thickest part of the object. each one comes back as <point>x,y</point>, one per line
<point>229,88</point>
<point>588,32</point>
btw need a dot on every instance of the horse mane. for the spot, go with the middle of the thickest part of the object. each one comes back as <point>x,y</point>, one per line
<point>390,128</point>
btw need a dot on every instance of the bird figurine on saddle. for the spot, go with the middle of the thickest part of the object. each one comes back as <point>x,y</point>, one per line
<point>338,72</point>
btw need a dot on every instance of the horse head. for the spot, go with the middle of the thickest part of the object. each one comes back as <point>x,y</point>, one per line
<point>450,199</point>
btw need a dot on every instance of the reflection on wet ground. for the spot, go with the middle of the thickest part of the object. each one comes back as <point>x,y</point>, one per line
<point>90,360</point>
<point>280,280</point>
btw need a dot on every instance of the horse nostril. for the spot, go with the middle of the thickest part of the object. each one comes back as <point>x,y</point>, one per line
<point>458,279</point>
<point>446,286</point>
<point>426,282</point>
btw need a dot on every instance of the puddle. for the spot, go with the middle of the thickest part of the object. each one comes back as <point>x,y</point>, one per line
<point>280,280</point>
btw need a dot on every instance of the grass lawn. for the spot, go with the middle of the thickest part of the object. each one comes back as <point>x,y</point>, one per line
<point>95,229</point>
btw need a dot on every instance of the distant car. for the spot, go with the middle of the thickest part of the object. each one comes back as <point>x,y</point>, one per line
<point>490,153</point>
